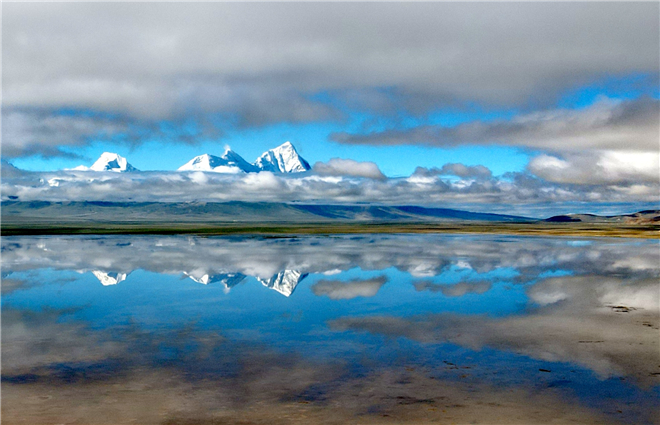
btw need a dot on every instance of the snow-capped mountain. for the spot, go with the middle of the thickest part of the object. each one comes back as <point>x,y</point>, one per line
<point>229,162</point>
<point>110,278</point>
<point>284,282</point>
<point>109,161</point>
<point>282,159</point>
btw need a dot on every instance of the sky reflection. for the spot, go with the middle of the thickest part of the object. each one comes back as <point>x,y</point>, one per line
<point>573,318</point>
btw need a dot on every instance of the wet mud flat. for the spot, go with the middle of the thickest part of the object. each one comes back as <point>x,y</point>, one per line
<point>388,397</point>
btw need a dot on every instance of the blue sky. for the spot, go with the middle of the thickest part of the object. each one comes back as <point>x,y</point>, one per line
<point>163,151</point>
<point>311,140</point>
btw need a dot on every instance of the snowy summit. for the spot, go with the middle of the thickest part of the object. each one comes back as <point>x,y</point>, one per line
<point>109,161</point>
<point>229,162</point>
<point>282,159</point>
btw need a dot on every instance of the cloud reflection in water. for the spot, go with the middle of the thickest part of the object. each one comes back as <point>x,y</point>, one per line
<point>516,304</point>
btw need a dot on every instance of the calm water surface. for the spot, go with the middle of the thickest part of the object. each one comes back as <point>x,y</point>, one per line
<point>340,329</point>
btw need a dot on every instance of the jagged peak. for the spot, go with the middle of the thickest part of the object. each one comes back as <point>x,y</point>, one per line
<point>229,162</point>
<point>109,161</point>
<point>282,159</point>
<point>286,145</point>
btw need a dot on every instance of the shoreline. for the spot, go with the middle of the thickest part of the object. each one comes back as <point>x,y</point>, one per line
<point>651,231</point>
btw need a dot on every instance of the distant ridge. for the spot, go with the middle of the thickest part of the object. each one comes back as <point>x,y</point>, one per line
<point>398,213</point>
<point>234,212</point>
<point>641,217</point>
<point>14,211</point>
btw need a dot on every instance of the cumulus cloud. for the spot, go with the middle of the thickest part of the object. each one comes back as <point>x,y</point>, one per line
<point>599,167</point>
<point>610,142</point>
<point>339,290</point>
<point>607,124</point>
<point>349,167</point>
<point>512,194</point>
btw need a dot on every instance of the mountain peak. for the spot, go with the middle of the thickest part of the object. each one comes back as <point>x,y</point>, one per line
<point>109,161</point>
<point>282,159</point>
<point>229,162</point>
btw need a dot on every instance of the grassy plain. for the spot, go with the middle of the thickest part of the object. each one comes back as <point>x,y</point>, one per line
<point>646,231</point>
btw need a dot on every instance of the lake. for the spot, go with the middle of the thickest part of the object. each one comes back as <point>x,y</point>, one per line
<point>330,329</point>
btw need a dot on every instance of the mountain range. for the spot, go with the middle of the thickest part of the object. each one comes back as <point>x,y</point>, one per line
<point>44,213</point>
<point>282,159</point>
<point>640,217</point>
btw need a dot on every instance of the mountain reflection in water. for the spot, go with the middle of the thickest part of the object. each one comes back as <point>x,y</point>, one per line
<point>386,328</point>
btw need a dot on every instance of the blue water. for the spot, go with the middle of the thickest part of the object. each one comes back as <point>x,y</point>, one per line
<point>368,301</point>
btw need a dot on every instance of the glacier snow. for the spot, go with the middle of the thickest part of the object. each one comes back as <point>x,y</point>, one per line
<point>282,159</point>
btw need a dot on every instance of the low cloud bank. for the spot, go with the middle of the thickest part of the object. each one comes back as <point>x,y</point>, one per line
<point>519,193</point>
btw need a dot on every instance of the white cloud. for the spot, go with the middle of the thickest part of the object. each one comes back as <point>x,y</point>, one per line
<point>599,167</point>
<point>349,167</point>
<point>608,124</point>
<point>455,169</point>
<point>514,194</point>
<point>40,133</point>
